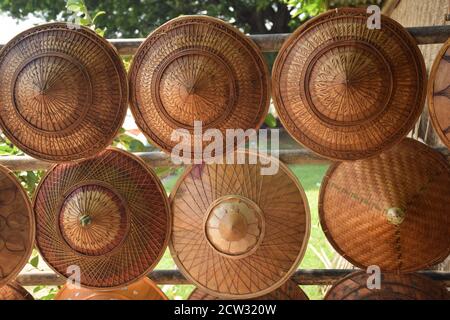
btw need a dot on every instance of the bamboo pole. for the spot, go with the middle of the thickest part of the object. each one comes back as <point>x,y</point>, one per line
<point>175,277</point>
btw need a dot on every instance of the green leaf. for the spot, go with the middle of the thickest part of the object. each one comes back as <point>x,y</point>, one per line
<point>100,32</point>
<point>98,14</point>
<point>35,261</point>
<point>270,121</point>
<point>74,8</point>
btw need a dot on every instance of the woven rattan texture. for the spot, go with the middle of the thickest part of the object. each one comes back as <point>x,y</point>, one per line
<point>144,289</point>
<point>17,227</point>
<point>109,215</point>
<point>14,291</point>
<point>439,94</point>
<point>288,291</point>
<point>391,210</point>
<point>345,91</point>
<point>63,92</point>
<point>197,68</point>
<point>281,232</point>
<point>392,287</point>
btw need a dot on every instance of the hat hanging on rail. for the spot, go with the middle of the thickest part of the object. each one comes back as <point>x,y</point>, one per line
<point>14,291</point>
<point>288,291</point>
<point>237,233</point>
<point>346,91</point>
<point>439,94</point>
<point>143,289</point>
<point>63,92</point>
<point>392,287</point>
<point>391,210</point>
<point>197,68</point>
<point>17,227</point>
<point>109,215</point>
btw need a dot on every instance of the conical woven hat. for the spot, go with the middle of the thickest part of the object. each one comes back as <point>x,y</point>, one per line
<point>14,291</point>
<point>17,227</point>
<point>392,287</point>
<point>288,291</point>
<point>63,92</point>
<point>346,91</point>
<point>197,68</point>
<point>391,211</point>
<point>108,215</point>
<point>143,289</point>
<point>237,233</point>
<point>439,94</point>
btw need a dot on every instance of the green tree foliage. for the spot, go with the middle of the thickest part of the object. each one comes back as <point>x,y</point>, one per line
<point>136,18</point>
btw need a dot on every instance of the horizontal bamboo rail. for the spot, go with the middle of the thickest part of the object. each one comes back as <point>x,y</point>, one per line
<point>273,42</point>
<point>174,277</point>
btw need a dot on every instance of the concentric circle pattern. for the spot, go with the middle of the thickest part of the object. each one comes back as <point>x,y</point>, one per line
<point>345,91</point>
<point>14,291</point>
<point>108,215</point>
<point>288,291</point>
<point>17,227</point>
<point>197,68</point>
<point>439,94</point>
<point>391,210</point>
<point>63,92</point>
<point>257,250</point>
<point>143,289</point>
<point>392,287</point>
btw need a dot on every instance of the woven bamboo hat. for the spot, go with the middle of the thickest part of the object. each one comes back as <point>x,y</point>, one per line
<point>63,92</point>
<point>345,91</point>
<point>13,291</point>
<point>288,291</point>
<point>197,68</point>
<point>143,289</point>
<point>236,233</point>
<point>391,210</point>
<point>17,227</point>
<point>439,94</point>
<point>392,287</point>
<point>108,215</point>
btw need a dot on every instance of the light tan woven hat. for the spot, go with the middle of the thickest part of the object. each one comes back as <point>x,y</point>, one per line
<point>391,211</point>
<point>17,227</point>
<point>392,287</point>
<point>346,91</point>
<point>14,291</point>
<point>439,94</point>
<point>288,291</point>
<point>197,68</point>
<point>108,215</point>
<point>236,233</point>
<point>143,289</point>
<point>63,92</point>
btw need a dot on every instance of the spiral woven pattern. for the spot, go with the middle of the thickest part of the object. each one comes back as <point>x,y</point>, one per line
<point>14,291</point>
<point>391,210</point>
<point>439,94</point>
<point>346,91</point>
<point>109,215</point>
<point>197,68</point>
<point>241,270</point>
<point>63,92</point>
<point>392,287</point>
<point>17,227</point>
<point>143,289</point>
<point>288,291</point>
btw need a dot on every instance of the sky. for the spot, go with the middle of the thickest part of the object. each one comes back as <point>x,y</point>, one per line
<point>10,27</point>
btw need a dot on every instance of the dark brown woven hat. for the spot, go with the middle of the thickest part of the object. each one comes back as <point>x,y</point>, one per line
<point>392,287</point>
<point>108,215</point>
<point>63,92</point>
<point>346,91</point>
<point>288,291</point>
<point>13,291</point>
<point>197,68</point>
<point>143,289</point>
<point>236,233</point>
<point>439,94</point>
<point>391,211</point>
<point>17,227</point>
